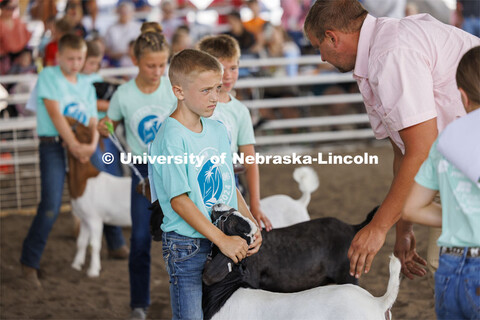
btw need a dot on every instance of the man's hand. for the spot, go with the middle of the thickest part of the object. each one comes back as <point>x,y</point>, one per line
<point>365,245</point>
<point>255,246</point>
<point>234,247</point>
<point>261,218</point>
<point>405,251</point>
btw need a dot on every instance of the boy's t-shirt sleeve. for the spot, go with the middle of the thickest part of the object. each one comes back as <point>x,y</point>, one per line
<point>246,135</point>
<point>427,175</point>
<point>173,176</point>
<point>47,85</point>
<point>114,109</point>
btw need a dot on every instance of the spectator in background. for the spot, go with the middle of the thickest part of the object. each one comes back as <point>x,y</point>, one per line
<point>468,14</point>
<point>120,34</point>
<point>294,13</point>
<point>90,12</point>
<point>181,40</point>
<point>74,16</point>
<point>170,22</point>
<point>256,24</point>
<point>139,5</point>
<point>62,27</point>
<point>245,39</point>
<point>14,35</point>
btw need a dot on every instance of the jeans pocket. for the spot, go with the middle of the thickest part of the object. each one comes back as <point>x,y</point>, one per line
<point>471,289</point>
<point>441,287</point>
<point>184,250</point>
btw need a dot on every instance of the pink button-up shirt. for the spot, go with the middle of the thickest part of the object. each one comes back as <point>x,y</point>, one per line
<point>405,70</point>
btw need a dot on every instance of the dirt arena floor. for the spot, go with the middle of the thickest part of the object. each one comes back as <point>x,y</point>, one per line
<point>346,192</point>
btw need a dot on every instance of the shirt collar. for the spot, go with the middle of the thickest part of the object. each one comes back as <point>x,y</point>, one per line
<point>363,49</point>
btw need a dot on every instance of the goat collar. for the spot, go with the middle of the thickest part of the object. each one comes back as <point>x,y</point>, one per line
<point>220,222</point>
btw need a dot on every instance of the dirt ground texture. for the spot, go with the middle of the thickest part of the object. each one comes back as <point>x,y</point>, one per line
<point>347,192</point>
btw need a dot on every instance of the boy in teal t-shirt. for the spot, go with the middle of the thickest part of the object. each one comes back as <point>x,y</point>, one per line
<point>199,175</point>
<point>61,92</point>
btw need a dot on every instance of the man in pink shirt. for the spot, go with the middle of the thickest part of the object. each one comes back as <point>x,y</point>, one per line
<point>405,70</point>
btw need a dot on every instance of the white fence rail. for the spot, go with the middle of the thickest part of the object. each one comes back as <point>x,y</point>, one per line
<point>19,161</point>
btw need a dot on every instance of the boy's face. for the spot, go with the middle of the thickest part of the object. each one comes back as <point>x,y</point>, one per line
<point>200,95</point>
<point>71,60</point>
<point>151,65</point>
<point>230,73</point>
<point>92,64</point>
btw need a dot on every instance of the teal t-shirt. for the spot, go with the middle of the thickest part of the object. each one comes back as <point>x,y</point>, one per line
<point>75,100</point>
<point>206,182</point>
<point>460,200</point>
<point>95,77</point>
<point>236,118</point>
<point>143,113</point>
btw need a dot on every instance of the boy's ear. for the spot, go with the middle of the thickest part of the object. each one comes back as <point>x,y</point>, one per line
<point>178,92</point>
<point>134,60</point>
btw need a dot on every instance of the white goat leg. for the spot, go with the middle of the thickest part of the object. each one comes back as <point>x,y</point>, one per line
<point>96,245</point>
<point>82,244</point>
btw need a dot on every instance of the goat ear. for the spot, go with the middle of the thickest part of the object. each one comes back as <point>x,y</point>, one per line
<point>217,269</point>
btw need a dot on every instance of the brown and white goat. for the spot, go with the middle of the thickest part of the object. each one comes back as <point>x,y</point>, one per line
<point>97,198</point>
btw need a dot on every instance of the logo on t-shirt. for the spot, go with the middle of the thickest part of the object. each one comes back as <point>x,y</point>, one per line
<point>215,179</point>
<point>148,128</point>
<point>77,111</point>
<point>146,122</point>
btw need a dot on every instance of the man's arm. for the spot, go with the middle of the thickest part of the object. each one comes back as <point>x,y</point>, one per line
<point>254,187</point>
<point>233,247</point>
<point>367,242</point>
<point>420,207</point>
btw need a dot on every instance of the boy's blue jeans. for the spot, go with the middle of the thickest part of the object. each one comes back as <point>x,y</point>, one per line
<point>185,258</point>
<point>140,244</point>
<point>457,287</point>
<point>52,176</point>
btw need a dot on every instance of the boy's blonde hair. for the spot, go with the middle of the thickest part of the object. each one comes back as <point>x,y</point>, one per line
<point>468,74</point>
<point>151,39</point>
<point>71,41</point>
<point>220,46</point>
<point>190,61</point>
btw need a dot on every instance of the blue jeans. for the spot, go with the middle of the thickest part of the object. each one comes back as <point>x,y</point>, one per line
<point>140,243</point>
<point>52,176</point>
<point>457,287</point>
<point>185,258</point>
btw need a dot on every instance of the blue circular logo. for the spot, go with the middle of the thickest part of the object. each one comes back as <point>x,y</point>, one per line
<point>76,111</point>
<point>148,128</point>
<point>211,183</point>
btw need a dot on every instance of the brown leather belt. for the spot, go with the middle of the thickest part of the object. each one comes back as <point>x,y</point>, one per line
<point>456,251</point>
<point>55,139</point>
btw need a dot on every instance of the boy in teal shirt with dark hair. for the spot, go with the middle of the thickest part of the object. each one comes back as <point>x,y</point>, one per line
<point>187,191</point>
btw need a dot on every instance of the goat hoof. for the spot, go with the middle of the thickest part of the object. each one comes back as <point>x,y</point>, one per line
<point>77,266</point>
<point>93,273</point>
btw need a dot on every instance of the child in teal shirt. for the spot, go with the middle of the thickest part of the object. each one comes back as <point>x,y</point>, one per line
<point>187,191</point>
<point>457,280</point>
<point>61,91</point>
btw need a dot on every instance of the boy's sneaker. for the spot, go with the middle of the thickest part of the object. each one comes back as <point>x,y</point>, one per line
<point>119,254</point>
<point>138,314</point>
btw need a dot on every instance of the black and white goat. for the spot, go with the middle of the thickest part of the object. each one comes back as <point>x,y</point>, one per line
<point>292,259</point>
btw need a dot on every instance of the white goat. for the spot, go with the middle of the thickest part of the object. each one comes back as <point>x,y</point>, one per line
<point>282,210</point>
<point>97,198</point>
<point>346,301</point>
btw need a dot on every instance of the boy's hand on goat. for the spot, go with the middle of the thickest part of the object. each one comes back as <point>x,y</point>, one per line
<point>365,245</point>
<point>103,128</point>
<point>405,250</point>
<point>234,247</point>
<point>255,246</point>
<point>261,218</point>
